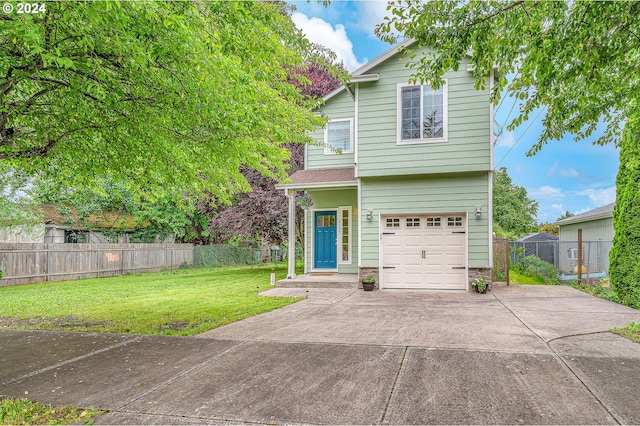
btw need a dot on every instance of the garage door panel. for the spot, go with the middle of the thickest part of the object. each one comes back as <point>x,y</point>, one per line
<point>424,257</point>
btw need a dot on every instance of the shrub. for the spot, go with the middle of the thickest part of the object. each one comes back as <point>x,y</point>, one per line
<point>532,266</point>
<point>1,274</point>
<point>624,268</point>
<point>602,291</point>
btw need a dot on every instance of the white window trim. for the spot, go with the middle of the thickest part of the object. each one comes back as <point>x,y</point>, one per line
<point>327,149</point>
<point>350,228</point>
<point>445,115</point>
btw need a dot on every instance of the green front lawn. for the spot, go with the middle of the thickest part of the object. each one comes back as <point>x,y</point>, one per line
<point>186,302</point>
<point>517,278</point>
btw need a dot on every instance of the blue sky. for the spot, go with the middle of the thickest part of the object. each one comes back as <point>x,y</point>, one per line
<point>565,175</point>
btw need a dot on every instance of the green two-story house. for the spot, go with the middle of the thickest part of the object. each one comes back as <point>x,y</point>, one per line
<point>401,180</point>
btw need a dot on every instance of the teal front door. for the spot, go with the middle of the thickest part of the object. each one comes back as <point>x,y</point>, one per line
<point>324,248</point>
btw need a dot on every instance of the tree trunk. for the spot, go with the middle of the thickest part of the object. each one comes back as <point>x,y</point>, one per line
<point>266,250</point>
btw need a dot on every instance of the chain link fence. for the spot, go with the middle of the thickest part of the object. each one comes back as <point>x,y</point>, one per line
<point>561,257</point>
<point>217,255</point>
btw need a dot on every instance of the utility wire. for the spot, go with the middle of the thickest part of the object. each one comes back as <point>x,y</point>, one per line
<point>520,137</point>
<point>515,101</point>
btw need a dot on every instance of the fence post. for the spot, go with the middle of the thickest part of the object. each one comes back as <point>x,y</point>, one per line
<point>506,242</point>
<point>98,261</point>
<point>133,262</point>
<point>579,256</point>
<point>171,268</point>
<point>48,262</point>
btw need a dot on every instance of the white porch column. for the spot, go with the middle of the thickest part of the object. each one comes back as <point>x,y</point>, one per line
<point>291,273</point>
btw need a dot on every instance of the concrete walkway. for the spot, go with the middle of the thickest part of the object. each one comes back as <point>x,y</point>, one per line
<point>518,355</point>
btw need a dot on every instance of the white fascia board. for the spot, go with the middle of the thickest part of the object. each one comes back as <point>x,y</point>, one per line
<point>569,221</point>
<point>334,93</point>
<point>364,78</point>
<point>319,185</point>
<point>388,54</point>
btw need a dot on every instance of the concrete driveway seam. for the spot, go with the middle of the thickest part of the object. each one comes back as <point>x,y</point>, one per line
<point>393,386</point>
<point>72,360</point>
<point>182,374</point>
<point>331,301</point>
<point>592,390</point>
<point>578,377</point>
<point>428,348</point>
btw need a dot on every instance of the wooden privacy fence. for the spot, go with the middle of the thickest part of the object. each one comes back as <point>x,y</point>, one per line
<point>31,263</point>
<point>501,260</point>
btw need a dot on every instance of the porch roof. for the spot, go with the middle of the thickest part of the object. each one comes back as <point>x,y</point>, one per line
<point>321,178</point>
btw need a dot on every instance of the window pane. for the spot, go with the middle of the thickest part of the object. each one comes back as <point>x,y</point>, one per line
<point>433,221</point>
<point>433,108</point>
<point>410,121</point>
<point>339,135</point>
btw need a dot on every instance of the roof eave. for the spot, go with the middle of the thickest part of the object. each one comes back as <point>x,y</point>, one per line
<point>316,185</point>
<point>569,221</point>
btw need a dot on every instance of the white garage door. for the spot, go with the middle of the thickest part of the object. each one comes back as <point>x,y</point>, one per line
<point>424,251</point>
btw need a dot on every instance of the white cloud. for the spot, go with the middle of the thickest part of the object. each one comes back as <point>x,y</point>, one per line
<point>546,192</point>
<point>370,14</point>
<point>570,172</point>
<point>507,140</point>
<point>320,31</point>
<point>552,170</point>
<point>558,208</point>
<point>600,197</point>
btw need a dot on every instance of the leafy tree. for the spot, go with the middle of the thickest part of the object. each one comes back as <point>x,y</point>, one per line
<point>513,211</point>
<point>550,228</point>
<point>262,212</point>
<point>168,96</point>
<point>115,207</point>
<point>624,268</point>
<point>565,215</point>
<point>577,61</point>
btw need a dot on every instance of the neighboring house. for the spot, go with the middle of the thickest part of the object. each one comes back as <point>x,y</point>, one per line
<point>401,180</point>
<point>597,235</point>
<point>62,224</point>
<point>22,234</point>
<point>541,245</point>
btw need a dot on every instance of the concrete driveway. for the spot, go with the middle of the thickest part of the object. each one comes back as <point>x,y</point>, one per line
<point>520,354</point>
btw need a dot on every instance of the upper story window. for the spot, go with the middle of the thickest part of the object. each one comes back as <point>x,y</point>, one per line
<point>422,114</point>
<point>338,136</point>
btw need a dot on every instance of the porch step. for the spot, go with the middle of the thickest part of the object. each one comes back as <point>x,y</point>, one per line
<point>320,281</point>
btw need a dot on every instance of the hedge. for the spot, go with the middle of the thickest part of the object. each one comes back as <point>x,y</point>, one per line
<point>624,269</point>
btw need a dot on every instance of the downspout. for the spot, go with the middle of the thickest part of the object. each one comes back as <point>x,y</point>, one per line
<point>356,137</point>
<point>491,166</point>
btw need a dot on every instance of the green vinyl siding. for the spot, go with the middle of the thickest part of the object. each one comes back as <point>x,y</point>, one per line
<point>452,193</point>
<point>597,236</point>
<point>467,148</point>
<point>340,106</point>
<point>331,199</point>
<point>593,230</point>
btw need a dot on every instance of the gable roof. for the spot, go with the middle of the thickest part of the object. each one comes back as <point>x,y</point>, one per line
<point>595,214</point>
<point>359,75</point>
